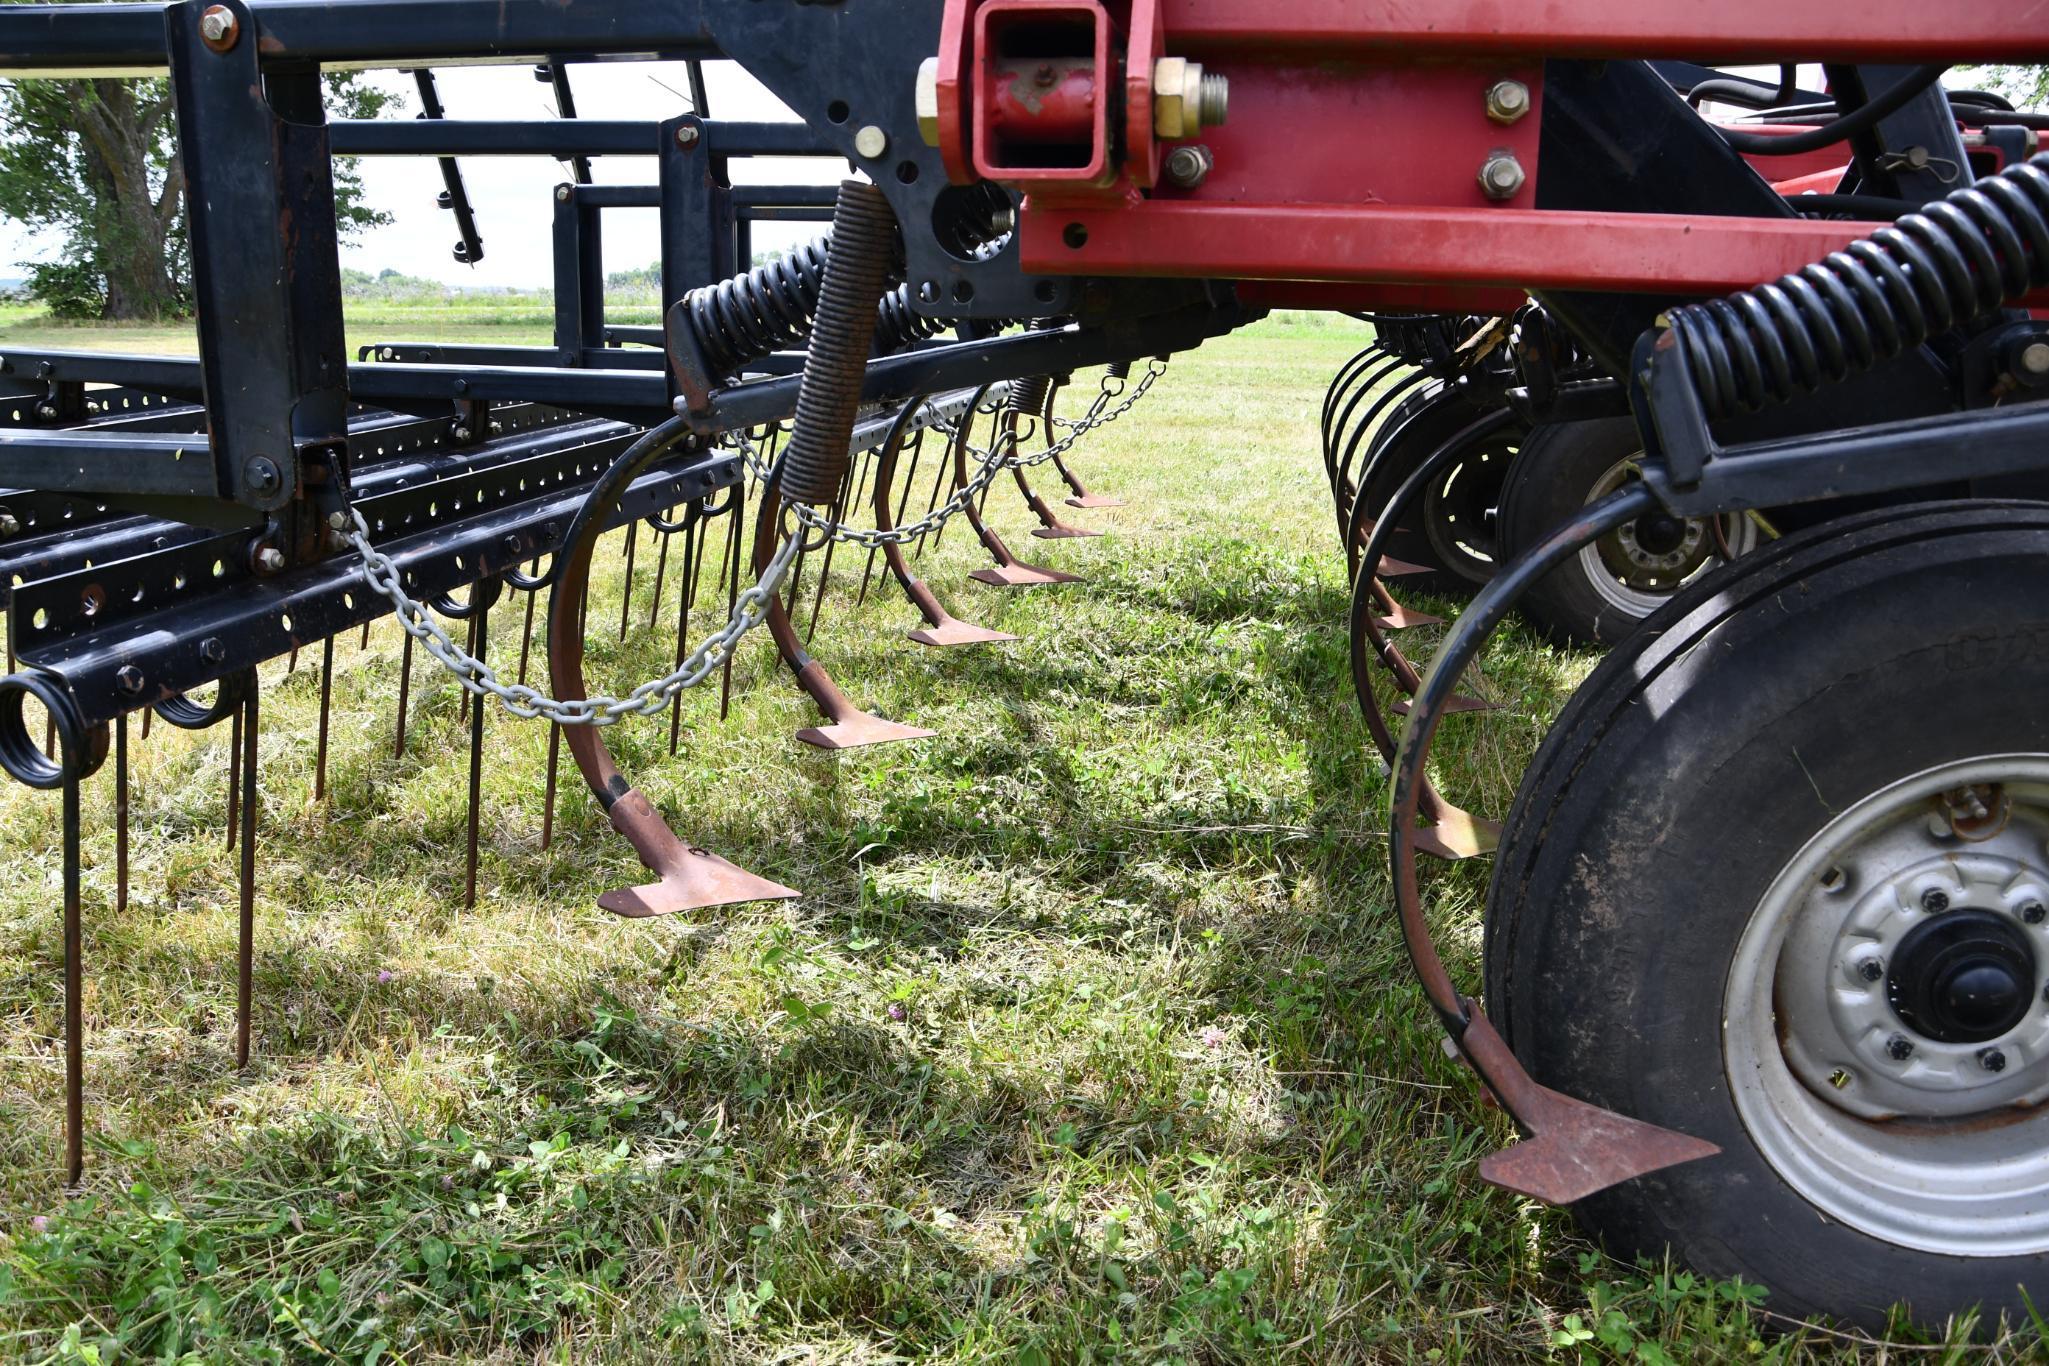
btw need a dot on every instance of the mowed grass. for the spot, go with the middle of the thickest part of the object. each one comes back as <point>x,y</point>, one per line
<point>1091,1039</point>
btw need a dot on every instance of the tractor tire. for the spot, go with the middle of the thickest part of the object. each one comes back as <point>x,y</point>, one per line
<point>1600,595</point>
<point>1777,880</point>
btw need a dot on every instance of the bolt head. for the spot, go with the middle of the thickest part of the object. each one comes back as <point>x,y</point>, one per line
<point>1899,1048</point>
<point>2034,358</point>
<point>336,541</point>
<point>1502,176</point>
<point>270,559</point>
<point>212,651</point>
<point>1189,165</point>
<point>1177,98</point>
<point>2034,913</point>
<point>338,520</point>
<point>459,432</point>
<point>1992,1059</point>
<point>1935,901</point>
<point>262,474</point>
<point>871,142</point>
<point>1507,101</point>
<point>9,524</point>
<point>926,100</point>
<point>687,135</point>
<point>129,678</point>
<point>1871,969</point>
<point>218,27</point>
<point>562,193</point>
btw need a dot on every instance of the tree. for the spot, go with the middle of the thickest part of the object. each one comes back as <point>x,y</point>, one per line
<point>97,160</point>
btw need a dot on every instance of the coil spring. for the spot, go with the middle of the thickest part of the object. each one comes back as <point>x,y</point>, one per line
<point>1028,395</point>
<point>1955,259</point>
<point>849,300</point>
<point>898,323</point>
<point>760,310</point>
<point>1120,369</point>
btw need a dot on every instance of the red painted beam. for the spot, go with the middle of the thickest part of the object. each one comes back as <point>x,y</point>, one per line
<point>1521,248</point>
<point>1912,31</point>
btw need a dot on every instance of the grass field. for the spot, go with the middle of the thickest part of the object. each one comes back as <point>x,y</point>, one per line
<point>1092,1038</point>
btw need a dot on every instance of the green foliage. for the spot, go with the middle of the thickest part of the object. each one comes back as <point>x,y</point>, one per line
<point>96,161</point>
<point>72,291</point>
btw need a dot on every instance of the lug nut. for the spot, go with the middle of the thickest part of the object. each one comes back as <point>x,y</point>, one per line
<point>2035,913</point>
<point>1871,969</point>
<point>1189,165</point>
<point>212,651</point>
<point>1507,101</point>
<point>1899,1048</point>
<point>218,28</point>
<point>1501,176</point>
<point>1935,901</point>
<point>129,678</point>
<point>1992,1060</point>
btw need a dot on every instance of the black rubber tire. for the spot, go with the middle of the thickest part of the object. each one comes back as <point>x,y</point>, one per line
<point>1416,428</point>
<point>1558,467</point>
<point>1679,781</point>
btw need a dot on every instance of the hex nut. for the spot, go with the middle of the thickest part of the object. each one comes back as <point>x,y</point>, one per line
<point>1501,176</point>
<point>2034,913</point>
<point>1189,165</point>
<point>2035,358</point>
<point>1992,1059</point>
<point>212,651</point>
<point>10,525</point>
<point>219,28</point>
<point>269,560</point>
<point>1899,1048</point>
<point>687,135</point>
<point>1507,101</point>
<point>129,678</point>
<point>926,101</point>
<point>1935,901</point>
<point>871,142</point>
<point>1181,100</point>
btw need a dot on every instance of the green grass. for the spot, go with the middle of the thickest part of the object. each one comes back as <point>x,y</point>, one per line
<point>1092,1038</point>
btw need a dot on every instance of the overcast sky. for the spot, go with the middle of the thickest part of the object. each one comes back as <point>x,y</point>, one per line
<point>513,195</point>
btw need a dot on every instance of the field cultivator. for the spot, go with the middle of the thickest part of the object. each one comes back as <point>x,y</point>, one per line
<point>1767,969</point>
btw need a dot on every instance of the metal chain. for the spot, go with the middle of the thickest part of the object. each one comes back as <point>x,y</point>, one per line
<point>994,462</point>
<point>1092,420</point>
<point>648,699</point>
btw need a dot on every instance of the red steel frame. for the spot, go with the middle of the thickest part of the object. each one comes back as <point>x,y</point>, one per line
<point>1357,129</point>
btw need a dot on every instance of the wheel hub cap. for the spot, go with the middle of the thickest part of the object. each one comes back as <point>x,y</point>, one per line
<point>1964,977</point>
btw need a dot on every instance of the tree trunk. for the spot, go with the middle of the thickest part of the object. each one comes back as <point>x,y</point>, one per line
<point>119,130</point>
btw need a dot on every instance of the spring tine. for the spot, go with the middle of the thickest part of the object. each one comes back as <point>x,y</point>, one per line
<point>292,661</point>
<point>839,514</point>
<point>234,777</point>
<point>693,560</point>
<point>245,961</point>
<point>526,638</point>
<point>326,701</point>
<point>146,714</point>
<point>462,710</point>
<point>548,800</point>
<point>364,643</point>
<point>739,515</point>
<point>481,642</point>
<point>9,634</point>
<point>932,504</point>
<point>50,736</point>
<point>121,814</point>
<point>626,593</point>
<point>405,683</point>
<point>654,604</point>
<point>74,995</point>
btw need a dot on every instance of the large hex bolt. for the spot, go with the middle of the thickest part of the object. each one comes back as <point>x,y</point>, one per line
<point>1185,101</point>
<point>1507,101</point>
<point>1501,176</point>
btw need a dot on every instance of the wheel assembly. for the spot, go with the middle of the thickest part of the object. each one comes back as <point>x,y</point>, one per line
<point>1833,960</point>
<point>1601,594</point>
<point>1451,530</point>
